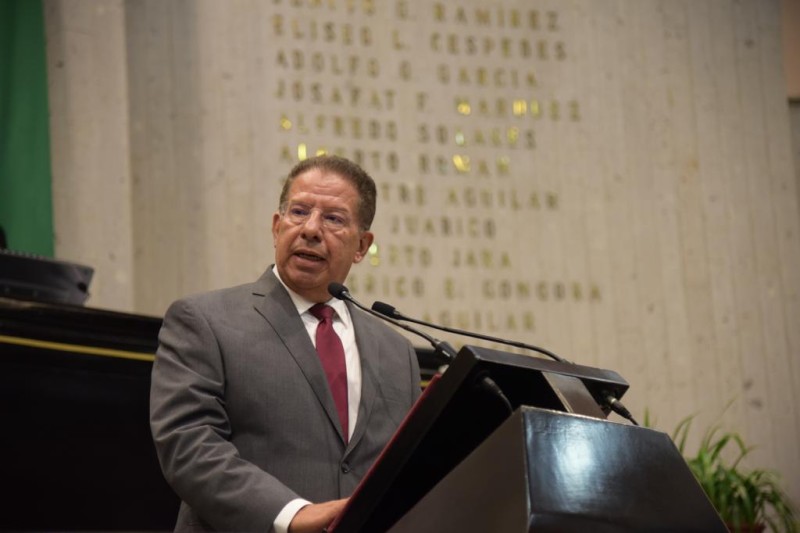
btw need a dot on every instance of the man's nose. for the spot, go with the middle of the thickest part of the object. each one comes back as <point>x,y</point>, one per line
<point>313,224</point>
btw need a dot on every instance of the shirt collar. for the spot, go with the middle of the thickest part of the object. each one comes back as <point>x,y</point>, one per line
<point>303,305</point>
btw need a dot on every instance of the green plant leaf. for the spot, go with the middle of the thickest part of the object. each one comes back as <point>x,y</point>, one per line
<point>742,497</point>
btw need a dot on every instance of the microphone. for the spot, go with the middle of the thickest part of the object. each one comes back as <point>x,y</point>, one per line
<point>611,401</point>
<point>389,311</point>
<point>337,290</point>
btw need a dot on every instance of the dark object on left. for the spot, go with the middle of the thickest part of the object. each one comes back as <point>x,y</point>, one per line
<point>74,389</point>
<point>42,279</point>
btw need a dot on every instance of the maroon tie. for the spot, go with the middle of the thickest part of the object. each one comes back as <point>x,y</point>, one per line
<point>331,353</point>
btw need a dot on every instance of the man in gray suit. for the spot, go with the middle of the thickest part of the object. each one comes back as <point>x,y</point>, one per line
<point>248,425</point>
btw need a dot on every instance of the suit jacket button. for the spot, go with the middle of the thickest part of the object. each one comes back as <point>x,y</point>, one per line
<point>345,468</point>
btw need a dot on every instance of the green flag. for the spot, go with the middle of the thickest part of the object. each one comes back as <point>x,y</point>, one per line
<point>26,213</point>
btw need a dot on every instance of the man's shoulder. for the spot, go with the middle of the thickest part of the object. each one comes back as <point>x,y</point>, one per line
<point>216,295</point>
<point>227,297</point>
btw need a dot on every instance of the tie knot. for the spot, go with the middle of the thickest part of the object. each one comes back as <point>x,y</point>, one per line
<point>322,311</point>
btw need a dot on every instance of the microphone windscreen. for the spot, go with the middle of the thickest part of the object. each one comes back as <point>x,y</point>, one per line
<point>337,290</point>
<point>384,309</point>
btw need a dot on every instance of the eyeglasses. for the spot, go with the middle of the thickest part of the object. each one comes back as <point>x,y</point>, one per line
<point>299,214</point>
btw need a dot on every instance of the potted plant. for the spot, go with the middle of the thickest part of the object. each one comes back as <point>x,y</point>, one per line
<point>747,500</point>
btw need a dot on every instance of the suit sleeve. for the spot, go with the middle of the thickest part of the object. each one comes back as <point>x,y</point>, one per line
<point>416,385</point>
<point>191,430</point>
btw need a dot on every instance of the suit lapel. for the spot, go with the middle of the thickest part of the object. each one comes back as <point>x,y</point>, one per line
<point>368,354</point>
<point>273,303</point>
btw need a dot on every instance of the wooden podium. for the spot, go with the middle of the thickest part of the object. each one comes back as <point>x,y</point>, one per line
<point>462,462</point>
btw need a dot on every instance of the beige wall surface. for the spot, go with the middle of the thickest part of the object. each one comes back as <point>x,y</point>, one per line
<point>790,23</point>
<point>610,179</point>
<point>88,91</point>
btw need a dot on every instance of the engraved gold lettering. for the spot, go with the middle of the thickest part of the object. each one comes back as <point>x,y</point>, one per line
<point>438,12</point>
<point>574,110</point>
<point>401,9</point>
<point>435,41</point>
<point>405,70</point>
<point>511,322</point>
<point>577,292</point>
<point>461,163</point>
<point>316,93</point>
<point>487,290</point>
<point>530,139</point>
<point>552,21</point>
<point>441,134</point>
<point>523,290</point>
<point>355,124</point>
<point>366,36</point>
<point>449,288</point>
<point>471,45</point>
<point>535,109</point>
<point>528,323</point>
<point>373,67</point>
<point>559,291</point>
<point>446,226</point>
<point>555,110</point>
<point>369,284</point>
<point>442,165</point>
<point>503,166</point>
<point>443,74</point>
<point>594,294</point>
<point>418,287</point>
<point>277,25</point>
<point>422,100</point>
<point>423,136</point>
<point>452,43</point>
<point>512,134</point>
<point>397,43</point>
<point>525,49</point>
<point>374,255</point>
<point>423,164</point>
<point>541,291</point>
<point>561,51</point>
<point>541,49</point>
<point>281,60</point>
<point>533,20</point>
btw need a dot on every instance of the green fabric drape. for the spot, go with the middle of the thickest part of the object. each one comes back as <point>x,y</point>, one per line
<point>26,212</point>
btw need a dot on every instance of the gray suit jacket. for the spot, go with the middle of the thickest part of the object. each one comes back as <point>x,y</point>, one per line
<point>241,413</point>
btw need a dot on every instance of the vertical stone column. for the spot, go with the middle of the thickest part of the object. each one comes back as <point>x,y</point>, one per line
<point>89,137</point>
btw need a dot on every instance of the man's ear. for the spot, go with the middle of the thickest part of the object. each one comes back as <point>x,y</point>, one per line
<point>364,242</point>
<point>276,218</point>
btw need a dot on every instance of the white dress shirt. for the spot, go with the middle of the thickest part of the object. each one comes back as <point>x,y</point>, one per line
<point>343,326</point>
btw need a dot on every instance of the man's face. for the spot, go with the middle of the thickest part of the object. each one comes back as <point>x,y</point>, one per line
<point>318,238</point>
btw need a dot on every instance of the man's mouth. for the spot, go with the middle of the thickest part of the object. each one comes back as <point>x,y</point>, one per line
<point>309,256</point>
